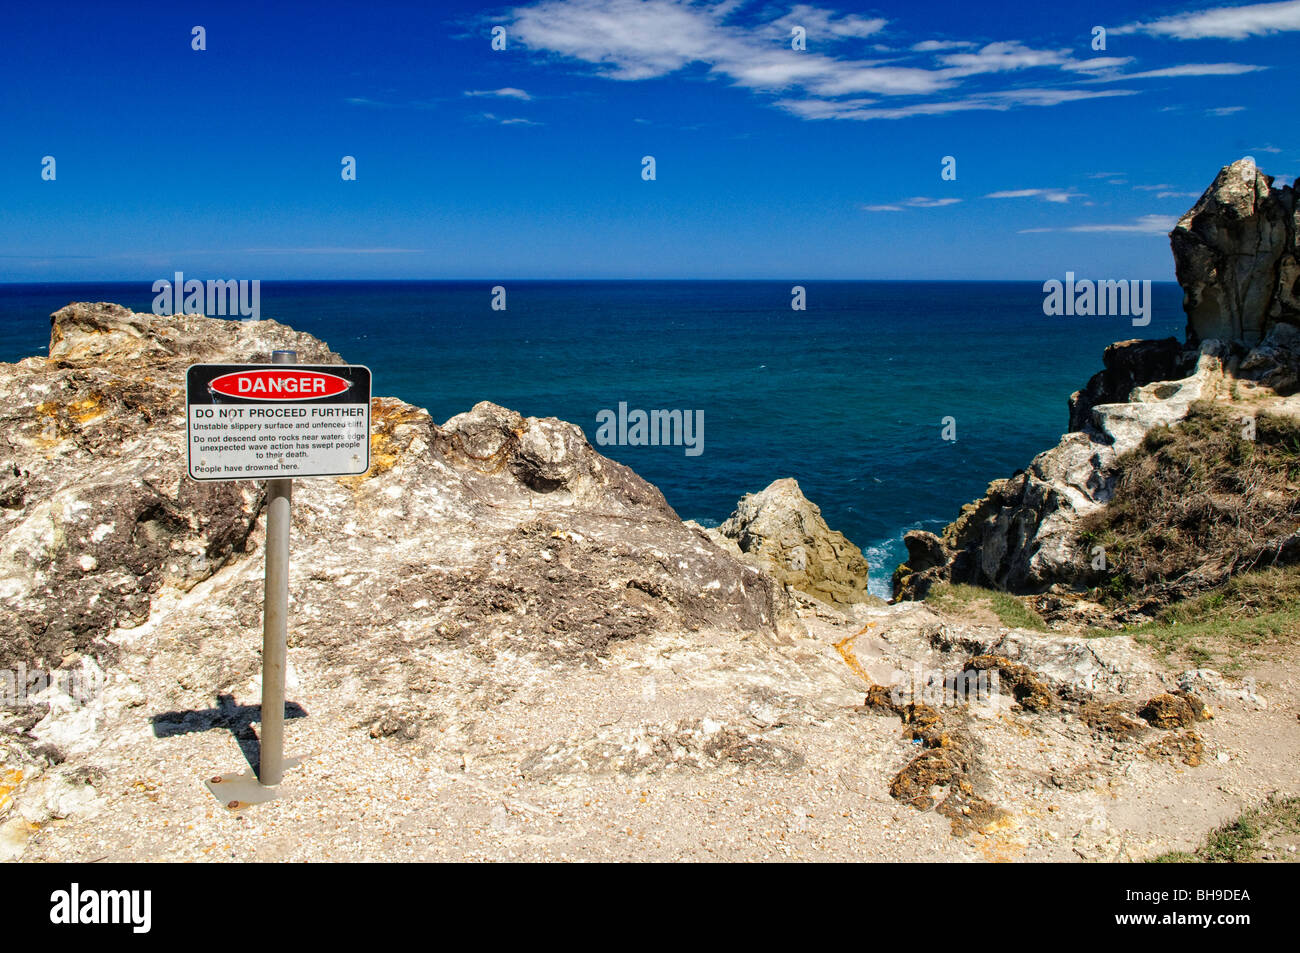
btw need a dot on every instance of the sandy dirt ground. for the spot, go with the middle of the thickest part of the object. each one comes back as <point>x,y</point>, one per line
<point>705,745</point>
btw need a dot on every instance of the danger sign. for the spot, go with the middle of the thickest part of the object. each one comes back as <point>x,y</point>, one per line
<point>277,421</point>
<point>277,384</point>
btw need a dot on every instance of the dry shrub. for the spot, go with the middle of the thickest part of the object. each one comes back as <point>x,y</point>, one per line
<point>1198,503</point>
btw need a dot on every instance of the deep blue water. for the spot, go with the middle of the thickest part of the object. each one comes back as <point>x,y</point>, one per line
<point>847,397</point>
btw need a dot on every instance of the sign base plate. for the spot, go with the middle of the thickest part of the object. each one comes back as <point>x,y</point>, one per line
<point>237,791</point>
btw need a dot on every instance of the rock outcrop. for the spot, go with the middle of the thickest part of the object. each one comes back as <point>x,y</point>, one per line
<point>96,514</point>
<point>781,532</point>
<point>1128,365</point>
<point>1235,255</point>
<point>499,521</point>
<point>1022,536</point>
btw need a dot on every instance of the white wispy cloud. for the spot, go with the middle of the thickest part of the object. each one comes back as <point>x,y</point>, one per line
<point>1146,225</point>
<point>1097,64</point>
<point>1223,23</point>
<point>1058,196</point>
<point>1003,57</point>
<point>867,109</point>
<point>328,251</point>
<point>1183,70</point>
<point>826,24</point>
<point>505,92</point>
<point>508,121</point>
<point>1178,195</point>
<point>1224,110</point>
<point>1012,56</point>
<point>380,104</point>
<point>931,46</point>
<point>920,201</point>
<point>631,40</point>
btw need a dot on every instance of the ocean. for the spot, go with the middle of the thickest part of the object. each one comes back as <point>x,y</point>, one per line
<point>849,397</point>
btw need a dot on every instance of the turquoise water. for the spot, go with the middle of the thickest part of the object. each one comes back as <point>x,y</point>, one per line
<point>848,396</point>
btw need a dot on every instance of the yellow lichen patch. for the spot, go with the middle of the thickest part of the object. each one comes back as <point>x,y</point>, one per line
<point>996,842</point>
<point>147,788</point>
<point>62,416</point>
<point>1004,822</point>
<point>10,779</point>
<point>845,647</point>
<point>50,432</point>
<point>88,408</point>
<point>1187,747</point>
<point>388,416</point>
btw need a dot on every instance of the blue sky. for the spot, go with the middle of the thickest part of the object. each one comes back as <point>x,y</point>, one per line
<point>770,162</point>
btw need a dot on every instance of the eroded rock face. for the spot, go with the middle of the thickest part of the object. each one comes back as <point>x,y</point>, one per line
<point>96,514</point>
<point>1128,365</point>
<point>1275,361</point>
<point>1235,254</point>
<point>1022,536</point>
<point>90,335</point>
<point>780,531</point>
<point>506,529</point>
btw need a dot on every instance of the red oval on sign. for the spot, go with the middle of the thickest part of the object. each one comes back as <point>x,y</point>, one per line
<point>279,384</point>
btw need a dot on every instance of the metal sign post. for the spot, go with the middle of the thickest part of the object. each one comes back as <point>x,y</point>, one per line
<point>251,421</point>
<point>275,618</point>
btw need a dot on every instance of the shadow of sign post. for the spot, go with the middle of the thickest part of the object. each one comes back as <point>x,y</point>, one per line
<point>235,718</point>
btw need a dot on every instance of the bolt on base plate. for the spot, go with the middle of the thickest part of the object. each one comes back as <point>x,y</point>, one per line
<point>238,791</point>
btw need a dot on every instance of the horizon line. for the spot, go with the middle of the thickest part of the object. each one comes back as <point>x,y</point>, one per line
<point>336,281</point>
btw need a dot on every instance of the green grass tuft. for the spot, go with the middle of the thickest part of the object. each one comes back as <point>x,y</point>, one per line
<point>954,598</point>
<point>1243,840</point>
<point>1248,613</point>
